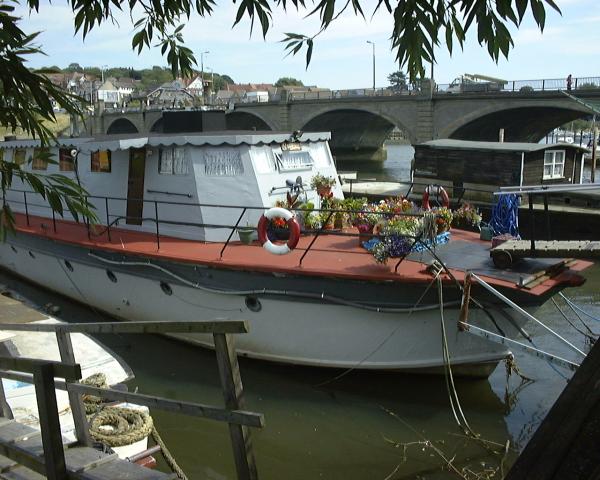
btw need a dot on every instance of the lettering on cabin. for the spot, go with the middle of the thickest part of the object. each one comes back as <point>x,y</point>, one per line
<point>223,163</point>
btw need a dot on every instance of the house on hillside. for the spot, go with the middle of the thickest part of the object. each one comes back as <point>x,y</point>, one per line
<point>171,94</point>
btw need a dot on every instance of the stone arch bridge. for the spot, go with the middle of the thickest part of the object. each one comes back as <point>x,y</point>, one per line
<point>360,125</point>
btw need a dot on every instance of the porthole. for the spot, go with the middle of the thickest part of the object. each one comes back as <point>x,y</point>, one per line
<point>13,248</point>
<point>166,288</point>
<point>253,304</point>
<point>31,254</point>
<point>111,276</point>
<point>68,265</point>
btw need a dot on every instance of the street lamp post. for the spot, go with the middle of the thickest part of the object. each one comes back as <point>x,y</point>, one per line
<point>206,52</point>
<point>373,45</point>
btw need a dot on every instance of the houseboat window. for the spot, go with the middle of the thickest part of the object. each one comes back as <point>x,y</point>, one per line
<point>320,153</point>
<point>65,160</point>
<point>20,155</point>
<point>263,161</point>
<point>554,164</point>
<point>101,161</point>
<point>171,161</point>
<point>223,163</point>
<point>40,159</point>
<point>287,161</point>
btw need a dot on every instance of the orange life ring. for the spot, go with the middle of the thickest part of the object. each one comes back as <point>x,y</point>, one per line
<point>293,226</point>
<point>441,192</point>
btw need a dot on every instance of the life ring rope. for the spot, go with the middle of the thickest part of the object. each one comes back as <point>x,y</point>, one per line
<point>292,224</point>
<point>440,192</point>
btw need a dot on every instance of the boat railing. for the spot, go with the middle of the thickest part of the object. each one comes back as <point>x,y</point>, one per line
<point>42,374</point>
<point>112,220</point>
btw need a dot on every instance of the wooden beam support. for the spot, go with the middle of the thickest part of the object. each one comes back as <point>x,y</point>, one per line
<point>233,392</point>
<point>464,307</point>
<point>45,393</point>
<point>30,365</point>
<point>82,429</point>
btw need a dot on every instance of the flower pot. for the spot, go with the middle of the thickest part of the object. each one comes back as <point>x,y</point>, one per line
<point>324,191</point>
<point>365,233</point>
<point>246,234</point>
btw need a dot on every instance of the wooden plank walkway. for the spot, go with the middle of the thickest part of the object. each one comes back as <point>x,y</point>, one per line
<point>82,462</point>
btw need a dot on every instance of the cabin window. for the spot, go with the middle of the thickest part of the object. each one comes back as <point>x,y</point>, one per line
<point>101,161</point>
<point>223,163</point>
<point>171,161</point>
<point>65,160</point>
<point>287,161</point>
<point>20,156</point>
<point>554,164</point>
<point>40,159</point>
<point>1,155</point>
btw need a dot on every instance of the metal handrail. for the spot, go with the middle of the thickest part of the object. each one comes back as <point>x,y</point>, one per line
<point>116,218</point>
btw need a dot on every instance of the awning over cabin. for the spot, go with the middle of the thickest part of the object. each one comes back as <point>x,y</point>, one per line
<point>126,141</point>
<point>451,144</point>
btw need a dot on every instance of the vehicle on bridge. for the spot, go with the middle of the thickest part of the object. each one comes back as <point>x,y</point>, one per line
<point>476,83</point>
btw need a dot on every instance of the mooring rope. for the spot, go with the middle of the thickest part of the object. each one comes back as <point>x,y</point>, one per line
<point>127,425</point>
<point>457,411</point>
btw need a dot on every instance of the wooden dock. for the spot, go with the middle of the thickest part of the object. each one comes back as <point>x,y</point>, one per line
<point>505,254</point>
<point>28,453</point>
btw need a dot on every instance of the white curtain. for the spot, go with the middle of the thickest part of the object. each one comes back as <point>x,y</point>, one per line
<point>166,160</point>
<point>179,163</point>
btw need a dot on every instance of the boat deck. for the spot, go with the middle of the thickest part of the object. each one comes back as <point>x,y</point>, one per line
<point>330,256</point>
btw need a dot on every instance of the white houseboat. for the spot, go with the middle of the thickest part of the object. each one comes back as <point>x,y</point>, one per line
<point>167,249</point>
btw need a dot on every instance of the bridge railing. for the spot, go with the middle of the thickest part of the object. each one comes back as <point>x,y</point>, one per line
<point>524,86</point>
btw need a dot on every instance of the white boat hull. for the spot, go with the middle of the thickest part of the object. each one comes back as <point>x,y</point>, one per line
<point>284,330</point>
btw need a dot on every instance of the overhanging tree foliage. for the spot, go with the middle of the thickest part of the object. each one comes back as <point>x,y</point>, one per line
<point>26,103</point>
<point>419,27</point>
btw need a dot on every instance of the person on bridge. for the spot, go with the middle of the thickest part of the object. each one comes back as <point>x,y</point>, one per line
<point>569,82</point>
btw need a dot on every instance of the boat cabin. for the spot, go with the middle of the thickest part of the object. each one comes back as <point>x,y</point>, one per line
<point>191,182</point>
<point>462,164</point>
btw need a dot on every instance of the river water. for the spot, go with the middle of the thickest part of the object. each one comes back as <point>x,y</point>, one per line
<point>346,429</point>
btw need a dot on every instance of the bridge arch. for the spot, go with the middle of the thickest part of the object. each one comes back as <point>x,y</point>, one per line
<point>122,125</point>
<point>356,134</point>
<point>241,120</point>
<point>157,126</point>
<point>525,123</point>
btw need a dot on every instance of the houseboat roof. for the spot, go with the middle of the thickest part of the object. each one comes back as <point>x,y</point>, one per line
<point>125,141</point>
<point>451,144</point>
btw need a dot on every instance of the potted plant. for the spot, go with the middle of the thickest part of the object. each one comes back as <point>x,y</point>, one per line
<point>466,218</point>
<point>443,219</point>
<point>246,234</point>
<point>322,184</point>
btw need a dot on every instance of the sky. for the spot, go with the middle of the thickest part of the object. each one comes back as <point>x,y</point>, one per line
<point>342,58</point>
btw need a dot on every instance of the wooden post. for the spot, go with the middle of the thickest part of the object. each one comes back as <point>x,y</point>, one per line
<point>532,222</point>
<point>5,410</point>
<point>233,392</point>
<point>463,317</point>
<point>54,455</point>
<point>65,347</point>
<point>547,214</point>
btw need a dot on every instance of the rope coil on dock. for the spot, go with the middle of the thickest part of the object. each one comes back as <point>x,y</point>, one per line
<point>117,426</point>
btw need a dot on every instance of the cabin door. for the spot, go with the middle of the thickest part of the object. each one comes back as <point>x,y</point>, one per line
<point>135,186</point>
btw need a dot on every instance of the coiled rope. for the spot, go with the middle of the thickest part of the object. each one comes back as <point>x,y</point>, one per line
<point>505,215</point>
<point>118,426</point>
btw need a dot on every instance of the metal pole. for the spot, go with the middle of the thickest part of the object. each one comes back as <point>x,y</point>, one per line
<point>373,45</point>
<point>594,146</point>
<point>157,232</point>
<point>107,218</point>
<point>26,208</point>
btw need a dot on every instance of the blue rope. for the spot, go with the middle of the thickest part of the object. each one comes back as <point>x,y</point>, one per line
<point>505,216</point>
